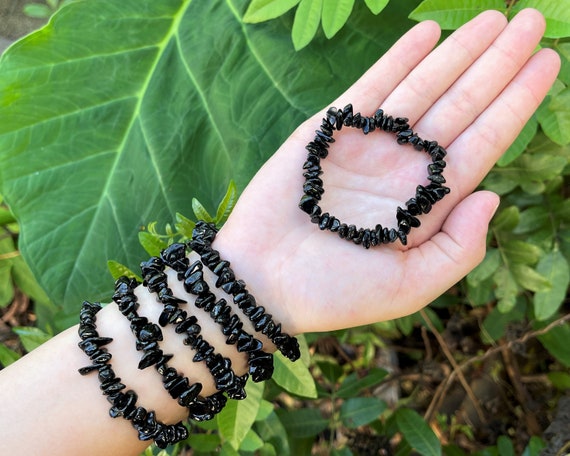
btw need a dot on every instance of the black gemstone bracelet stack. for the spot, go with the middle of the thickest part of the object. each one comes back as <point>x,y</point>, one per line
<point>149,335</point>
<point>421,203</point>
<point>230,385</point>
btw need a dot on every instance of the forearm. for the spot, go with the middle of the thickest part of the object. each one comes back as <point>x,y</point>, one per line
<point>49,408</point>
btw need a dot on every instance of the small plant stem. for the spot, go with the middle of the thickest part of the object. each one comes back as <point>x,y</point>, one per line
<point>7,256</point>
<point>513,371</point>
<point>446,384</point>
<point>456,367</point>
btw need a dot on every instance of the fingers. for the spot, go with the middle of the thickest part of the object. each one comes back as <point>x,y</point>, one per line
<point>385,75</point>
<point>427,82</point>
<point>484,80</point>
<point>481,145</point>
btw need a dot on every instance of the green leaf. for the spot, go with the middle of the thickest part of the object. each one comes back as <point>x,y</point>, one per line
<point>521,143</point>
<point>152,244</point>
<point>493,327</point>
<point>532,219</point>
<point>307,18</point>
<point>486,268</point>
<point>31,337</point>
<point>265,409</point>
<point>505,446</point>
<point>520,251</point>
<point>228,450</point>
<point>184,225</point>
<point>237,417</point>
<point>6,286</point>
<point>204,442</point>
<point>26,282</point>
<point>264,10</point>
<point>353,384</point>
<point>376,5</point>
<point>417,433</point>
<point>334,15</point>
<point>251,442</point>
<point>529,279</point>
<point>452,14</point>
<point>406,324</point>
<point>272,431</point>
<point>37,10</point>
<point>176,120</point>
<point>507,289</point>
<point>534,447</point>
<point>293,377</point>
<point>560,380</point>
<point>227,204</point>
<point>8,255</point>
<point>302,422</point>
<point>200,211</point>
<point>358,411</point>
<point>554,267</point>
<point>480,293</point>
<point>118,270</point>
<point>556,14</point>
<point>7,356</point>
<point>6,217</point>
<point>506,219</point>
<point>330,370</point>
<point>554,117</point>
<point>556,342</point>
<point>563,49</point>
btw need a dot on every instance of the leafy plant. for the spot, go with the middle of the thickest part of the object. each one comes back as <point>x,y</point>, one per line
<point>331,14</point>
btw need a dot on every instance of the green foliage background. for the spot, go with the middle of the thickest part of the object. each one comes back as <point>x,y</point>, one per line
<point>118,114</point>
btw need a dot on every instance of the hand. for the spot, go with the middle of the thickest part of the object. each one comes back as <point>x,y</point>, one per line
<point>472,94</point>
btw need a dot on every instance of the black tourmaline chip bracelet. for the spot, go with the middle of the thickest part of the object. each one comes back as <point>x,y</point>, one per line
<point>148,335</point>
<point>122,403</point>
<point>421,203</point>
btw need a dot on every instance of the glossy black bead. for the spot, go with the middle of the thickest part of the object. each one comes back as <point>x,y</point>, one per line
<point>404,136</point>
<point>313,190</point>
<point>404,215</point>
<point>347,114</point>
<point>326,127</point>
<point>331,116</point>
<point>343,230</point>
<point>308,203</point>
<point>324,220</point>
<point>313,163</point>
<point>185,324</point>
<point>321,136</point>
<point>366,239</point>
<point>351,232</point>
<point>359,235</point>
<point>186,398</point>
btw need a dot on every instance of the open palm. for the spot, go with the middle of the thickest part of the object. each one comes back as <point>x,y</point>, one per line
<point>472,94</point>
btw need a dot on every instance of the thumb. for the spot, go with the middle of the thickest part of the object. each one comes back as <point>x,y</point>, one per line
<point>453,252</point>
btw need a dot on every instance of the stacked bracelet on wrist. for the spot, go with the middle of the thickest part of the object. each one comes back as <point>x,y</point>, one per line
<point>149,335</point>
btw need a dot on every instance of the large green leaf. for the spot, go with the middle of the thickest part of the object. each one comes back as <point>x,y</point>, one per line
<point>118,113</point>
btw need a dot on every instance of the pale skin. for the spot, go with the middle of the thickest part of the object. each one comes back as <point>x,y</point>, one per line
<point>473,94</point>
